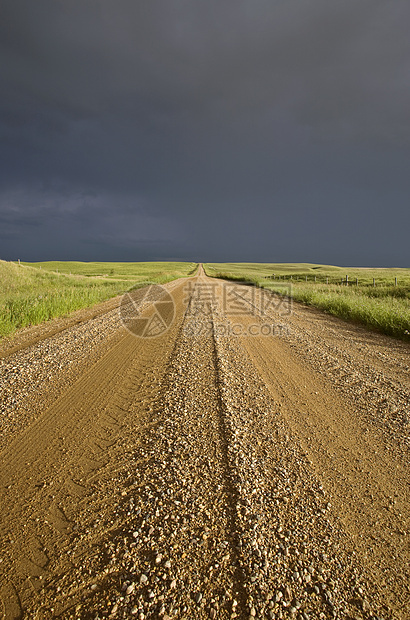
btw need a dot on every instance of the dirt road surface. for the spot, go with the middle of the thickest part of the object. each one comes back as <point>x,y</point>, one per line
<point>248,461</point>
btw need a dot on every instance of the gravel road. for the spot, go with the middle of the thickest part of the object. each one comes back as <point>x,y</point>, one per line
<point>251,461</point>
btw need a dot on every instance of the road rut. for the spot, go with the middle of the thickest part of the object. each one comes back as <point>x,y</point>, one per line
<point>243,464</point>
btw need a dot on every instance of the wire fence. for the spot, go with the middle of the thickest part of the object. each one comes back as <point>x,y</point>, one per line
<point>342,281</point>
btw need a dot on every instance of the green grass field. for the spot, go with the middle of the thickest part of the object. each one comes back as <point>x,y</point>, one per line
<point>376,298</point>
<point>159,272</point>
<point>31,293</point>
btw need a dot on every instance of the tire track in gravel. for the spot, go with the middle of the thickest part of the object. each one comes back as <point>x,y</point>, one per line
<point>177,550</point>
<point>296,559</point>
<point>195,423</point>
<point>176,482</point>
<point>230,476</point>
<point>50,468</point>
<point>218,444</point>
<point>368,483</point>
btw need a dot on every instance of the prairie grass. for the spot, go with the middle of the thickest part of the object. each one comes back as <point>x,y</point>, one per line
<point>157,271</point>
<point>374,300</point>
<point>30,295</point>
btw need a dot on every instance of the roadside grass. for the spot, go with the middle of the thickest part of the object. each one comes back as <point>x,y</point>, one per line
<point>31,293</point>
<point>374,300</point>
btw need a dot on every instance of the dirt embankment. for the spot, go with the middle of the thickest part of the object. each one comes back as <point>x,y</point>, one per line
<point>246,463</point>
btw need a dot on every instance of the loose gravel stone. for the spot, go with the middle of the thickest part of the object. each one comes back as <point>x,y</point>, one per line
<point>215,509</point>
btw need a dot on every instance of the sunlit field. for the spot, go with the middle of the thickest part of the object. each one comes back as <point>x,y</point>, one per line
<point>376,298</point>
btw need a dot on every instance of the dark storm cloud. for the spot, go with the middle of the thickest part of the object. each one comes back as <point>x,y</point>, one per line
<point>263,130</point>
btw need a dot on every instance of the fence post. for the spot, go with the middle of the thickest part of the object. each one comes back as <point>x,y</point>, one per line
<point>327,280</point>
<point>395,281</point>
<point>315,278</point>
<point>347,280</point>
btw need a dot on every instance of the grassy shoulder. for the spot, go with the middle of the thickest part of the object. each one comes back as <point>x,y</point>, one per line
<point>376,298</point>
<point>31,293</point>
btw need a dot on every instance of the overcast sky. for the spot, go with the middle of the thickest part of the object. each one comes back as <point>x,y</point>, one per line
<point>213,130</point>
